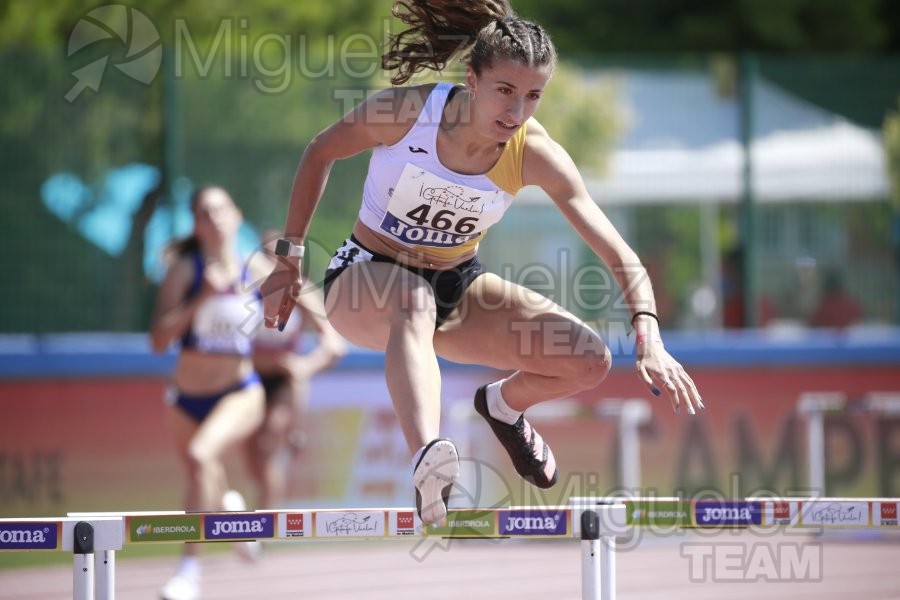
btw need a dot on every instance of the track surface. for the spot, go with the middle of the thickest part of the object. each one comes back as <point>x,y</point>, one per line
<point>474,569</point>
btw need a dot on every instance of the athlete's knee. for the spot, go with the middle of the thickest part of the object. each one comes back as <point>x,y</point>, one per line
<point>587,371</point>
<point>199,460</point>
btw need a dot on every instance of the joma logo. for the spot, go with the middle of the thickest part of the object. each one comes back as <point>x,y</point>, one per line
<point>237,527</point>
<point>19,536</point>
<point>531,523</point>
<point>731,514</point>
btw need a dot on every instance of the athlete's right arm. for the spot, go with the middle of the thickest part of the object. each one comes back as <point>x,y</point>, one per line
<point>172,314</point>
<point>382,119</point>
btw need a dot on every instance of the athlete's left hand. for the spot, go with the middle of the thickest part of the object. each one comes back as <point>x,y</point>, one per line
<point>659,371</point>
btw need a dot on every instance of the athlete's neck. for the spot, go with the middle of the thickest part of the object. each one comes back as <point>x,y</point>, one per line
<point>218,251</point>
<point>456,123</point>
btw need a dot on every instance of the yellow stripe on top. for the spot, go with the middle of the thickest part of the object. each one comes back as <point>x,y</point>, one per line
<point>449,254</point>
<point>507,173</point>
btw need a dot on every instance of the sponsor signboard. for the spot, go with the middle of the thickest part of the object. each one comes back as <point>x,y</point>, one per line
<point>356,523</point>
<point>727,513</point>
<point>534,522</point>
<point>659,514</point>
<point>466,523</point>
<point>884,514</point>
<point>782,512</point>
<point>29,535</point>
<point>174,528</point>
<point>402,522</point>
<point>293,525</point>
<point>835,513</point>
<point>246,526</point>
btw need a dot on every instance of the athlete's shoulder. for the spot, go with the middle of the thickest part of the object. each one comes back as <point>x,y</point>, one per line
<point>181,275</point>
<point>184,265</point>
<point>544,159</point>
<point>536,134</point>
<point>539,144</point>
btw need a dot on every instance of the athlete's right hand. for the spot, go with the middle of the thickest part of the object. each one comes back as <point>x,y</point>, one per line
<point>280,292</point>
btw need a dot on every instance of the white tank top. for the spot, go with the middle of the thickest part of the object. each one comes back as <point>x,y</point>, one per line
<point>410,197</point>
<point>224,322</point>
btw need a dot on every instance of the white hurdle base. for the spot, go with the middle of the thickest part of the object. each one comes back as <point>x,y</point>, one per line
<point>600,521</point>
<point>93,542</point>
<point>83,577</point>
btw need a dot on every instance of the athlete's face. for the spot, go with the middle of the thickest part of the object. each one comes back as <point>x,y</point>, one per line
<point>216,218</point>
<point>506,95</point>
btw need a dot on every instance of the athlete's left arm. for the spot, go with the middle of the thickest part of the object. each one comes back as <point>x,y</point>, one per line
<point>547,165</point>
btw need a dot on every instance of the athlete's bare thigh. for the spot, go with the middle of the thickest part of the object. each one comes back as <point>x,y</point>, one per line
<point>506,326</point>
<point>369,297</point>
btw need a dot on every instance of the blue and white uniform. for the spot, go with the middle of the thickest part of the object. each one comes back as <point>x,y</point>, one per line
<point>223,324</point>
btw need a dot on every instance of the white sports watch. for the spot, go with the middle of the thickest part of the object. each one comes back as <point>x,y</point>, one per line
<point>288,248</point>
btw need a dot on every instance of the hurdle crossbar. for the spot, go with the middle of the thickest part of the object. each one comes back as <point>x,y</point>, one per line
<point>595,521</point>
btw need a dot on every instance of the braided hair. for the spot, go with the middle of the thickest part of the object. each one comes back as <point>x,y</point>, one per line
<point>488,30</point>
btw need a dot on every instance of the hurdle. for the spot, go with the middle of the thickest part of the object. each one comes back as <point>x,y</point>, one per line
<point>596,522</point>
<point>813,407</point>
<point>629,415</point>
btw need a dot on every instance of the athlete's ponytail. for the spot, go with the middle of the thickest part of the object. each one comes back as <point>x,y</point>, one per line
<point>439,29</point>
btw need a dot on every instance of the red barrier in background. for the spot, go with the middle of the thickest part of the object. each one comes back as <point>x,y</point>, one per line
<point>104,444</point>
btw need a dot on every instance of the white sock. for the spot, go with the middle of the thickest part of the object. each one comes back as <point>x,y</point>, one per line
<point>497,406</point>
<point>189,567</point>
<point>417,456</point>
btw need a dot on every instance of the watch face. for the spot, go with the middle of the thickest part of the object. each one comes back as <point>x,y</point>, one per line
<point>282,248</point>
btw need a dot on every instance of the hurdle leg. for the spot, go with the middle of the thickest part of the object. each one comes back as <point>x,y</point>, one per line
<point>815,447</point>
<point>105,579</point>
<point>598,560</point>
<point>634,414</point>
<point>83,569</point>
<point>607,568</point>
<point>813,407</point>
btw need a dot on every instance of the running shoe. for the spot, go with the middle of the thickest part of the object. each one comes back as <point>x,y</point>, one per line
<point>434,475</point>
<point>530,454</point>
<point>181,587</point>
<point>249,552</point>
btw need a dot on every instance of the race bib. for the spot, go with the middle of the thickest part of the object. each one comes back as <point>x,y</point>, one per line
<point>427,210</point>
<point>221,324</point>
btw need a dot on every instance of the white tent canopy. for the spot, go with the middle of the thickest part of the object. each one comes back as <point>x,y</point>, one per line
<point>674,154</point>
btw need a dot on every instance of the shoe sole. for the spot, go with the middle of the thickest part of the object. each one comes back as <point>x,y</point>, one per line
<point>437,471</point>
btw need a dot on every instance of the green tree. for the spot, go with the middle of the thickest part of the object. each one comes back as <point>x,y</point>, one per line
<point>591,26</point>
<point>581,113</point>
<point>892,154</point>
